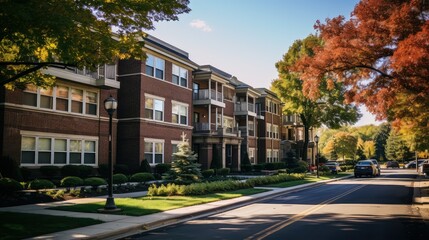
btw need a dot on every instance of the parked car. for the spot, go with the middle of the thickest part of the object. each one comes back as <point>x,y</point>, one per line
<point>392,164</point>
<point>424,166</point>
<point>412,164</point>
<point>377,165</point>
<point>365,168</point>
<point>333,166</point>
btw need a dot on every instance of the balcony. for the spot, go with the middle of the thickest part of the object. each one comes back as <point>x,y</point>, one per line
<point>243,130</point>
<point>104,76</point>
<point>208,96</point>
<point>245,108</point>
<point>210,129</point>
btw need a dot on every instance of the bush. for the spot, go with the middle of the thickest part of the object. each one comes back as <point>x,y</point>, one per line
<point>94,182</point>
<point>301,168</point>
<point>121,168</point>
<point>222,171</point>
<point>275,165</point>
<point>142,177</point>
<point>197,188</point>
<point>145,166</point>
<point>208,173</point>
<point>49,171</point>
<point>246,167</point>
<point>71,181</point>
<point>324,169</point>
<point>119,178</point>
<point>26,173</point>
<point>9,185</point>
<point>85,171</point>
<point>259,181</point>
<point>38,184</point>
<point>10,168</point>
<point>258,167</point>
<point>70,170</point>
<point>162,168</point>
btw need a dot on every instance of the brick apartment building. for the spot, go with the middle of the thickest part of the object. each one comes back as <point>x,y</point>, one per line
<point>158,100</point>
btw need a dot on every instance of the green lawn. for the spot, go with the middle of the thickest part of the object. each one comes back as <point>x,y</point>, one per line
<point>148,205</point>
<point>308,179</point>
<point>24,225</point>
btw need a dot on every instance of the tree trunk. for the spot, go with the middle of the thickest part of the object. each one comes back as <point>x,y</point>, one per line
<point>305,145</point>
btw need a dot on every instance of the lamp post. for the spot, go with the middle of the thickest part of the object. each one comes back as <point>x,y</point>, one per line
<point>110,104</point>
<point>316,140</point>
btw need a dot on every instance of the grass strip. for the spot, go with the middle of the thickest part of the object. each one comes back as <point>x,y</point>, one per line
<point>148,205</point>
<point>15,225</point>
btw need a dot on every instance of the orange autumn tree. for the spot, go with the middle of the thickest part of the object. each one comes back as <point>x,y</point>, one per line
<point>381,55</point>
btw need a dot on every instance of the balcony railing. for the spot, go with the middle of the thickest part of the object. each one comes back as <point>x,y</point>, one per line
<point>245,106</point>
<point>107,71</point>
<point>203,94</point>
<point>211,128</point>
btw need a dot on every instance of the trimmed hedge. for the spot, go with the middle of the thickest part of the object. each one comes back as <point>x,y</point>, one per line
<point>162,168</point>
<point>71,181</point>
<point>119,178</point>
<point>142,177</point>
<point>38,184</point>
<point>222,171</point>
<point>85,171</point>
<point>94,182</point>
<point>197,188</point>
<point>49,171</point>
<point>259,181</point>
<point>70,170</point>
<point>208,173</point>
<point>9,185</point>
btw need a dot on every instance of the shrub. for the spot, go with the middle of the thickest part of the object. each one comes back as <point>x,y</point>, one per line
<point>103,170</point>
<point>85,171</point>
<point>10,168</point>
<point>145,166</point>
<point>324,169</point>
<point>71,181</point>
<point>38,184</point>
<point>301,168</point>
<point>119,178</point>
<point>222,171</point>
<point>49,171</point>
<point>259,181</point>
<point>197,188</point>
<point>275,165</point>
<point>26,173</point>
<point>94,182</point>
<point>9,185</point>
<point>162,168</point>
<point>121,168</point>
<point>246,168</point>
<point>70,170</point>
<point>142,177</point>
<point>259,167</point>
<point>208,173</point>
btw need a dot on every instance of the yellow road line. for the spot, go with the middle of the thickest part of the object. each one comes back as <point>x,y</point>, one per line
<point>282,224</point>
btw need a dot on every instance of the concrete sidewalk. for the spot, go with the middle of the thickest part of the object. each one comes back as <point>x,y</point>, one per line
<point>116,226</point>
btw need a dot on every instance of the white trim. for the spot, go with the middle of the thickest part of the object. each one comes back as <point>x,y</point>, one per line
<point>170,56</point>
<point>154,140</point>
<point>175,142</point>
<point>58,135</point>
<point>147,95</point>
<point>179,103</point>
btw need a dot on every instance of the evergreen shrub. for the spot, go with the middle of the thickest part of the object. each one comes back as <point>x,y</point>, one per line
<point>208,173</point>
<point>142,177</point>
<point>49,171</point>
<point>38,184</point>
<point>9,185</point>
<point>71,182</point>
<point>94,182</point>
<point>120,178</point>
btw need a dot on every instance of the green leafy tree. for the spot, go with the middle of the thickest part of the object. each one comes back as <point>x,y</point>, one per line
<point>60,33</point>
<point>380,139</point>
<point>396,147</point>
<point>345,145</point>
<point>184,168</point>
<point>329,108</point>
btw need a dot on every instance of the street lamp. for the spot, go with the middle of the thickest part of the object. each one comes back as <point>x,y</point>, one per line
<point>110,104</point>
<point>316,140</point>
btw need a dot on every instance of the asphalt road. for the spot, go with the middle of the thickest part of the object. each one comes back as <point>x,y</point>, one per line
<point>363,208</point>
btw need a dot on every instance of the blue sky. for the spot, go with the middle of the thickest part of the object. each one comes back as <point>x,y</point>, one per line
<point>245,38</point>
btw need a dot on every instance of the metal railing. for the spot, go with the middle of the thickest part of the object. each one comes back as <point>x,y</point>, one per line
<point>203,94</point>
<point>245,106</point>
<point>107,71</point>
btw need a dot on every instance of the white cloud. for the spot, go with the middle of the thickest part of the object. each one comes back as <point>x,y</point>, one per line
<point>200,24</point>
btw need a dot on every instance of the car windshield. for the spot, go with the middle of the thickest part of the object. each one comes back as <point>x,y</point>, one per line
<point>364,163</point>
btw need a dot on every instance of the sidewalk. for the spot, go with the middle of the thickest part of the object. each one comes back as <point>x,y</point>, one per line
<point>116,226</point>
<point>421,196</point>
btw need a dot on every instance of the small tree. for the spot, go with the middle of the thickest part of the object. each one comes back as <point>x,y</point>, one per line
<point>145,166</point>
<point>184,168</point>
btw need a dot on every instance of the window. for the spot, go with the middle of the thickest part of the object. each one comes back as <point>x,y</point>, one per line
<point>251,128</point>
<point>155,66</point>
<point>154,151</point>
<point>268,155</point>
<point>180,76</point>
<point>179,113</point>
<point>268,130</point>
<point>62,98</point>
<point>252,155</point>
<point>228,124</point>
<point>275,131</point>
<point>154,109</point>
<point>275,155</point>
<point>46,150</point>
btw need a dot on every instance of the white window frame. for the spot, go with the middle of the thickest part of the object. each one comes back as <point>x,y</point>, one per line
<point>148,96</point>
<point>252,155</point>
<point>268,130</point>
<point>275,155</point>
<point>181,71</point>
<point>269,156</point>
<point>69,100</point>
<point>153,142</point>
<point>179,104</point>
<point>155,63</point>
<point>53,137</point>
